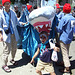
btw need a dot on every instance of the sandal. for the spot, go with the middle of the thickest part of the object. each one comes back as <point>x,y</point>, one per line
<point>6,69</point>
<point>64,70</point>
<point>14,62</point>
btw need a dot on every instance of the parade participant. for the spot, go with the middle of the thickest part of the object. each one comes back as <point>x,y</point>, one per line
<point>8,33</point>
<point>59,13</point>
<point>66,36</point>
<point>44,61</point>
<point>43,20</point>
<point>17,11</point>
<point>28,34</point>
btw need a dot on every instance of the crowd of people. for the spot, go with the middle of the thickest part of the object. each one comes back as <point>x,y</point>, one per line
<point>32,40</point>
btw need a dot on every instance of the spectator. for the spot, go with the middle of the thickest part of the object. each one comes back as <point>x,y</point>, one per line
<point>66,36</point>
<point>8,33</point>
<point>17,11</point>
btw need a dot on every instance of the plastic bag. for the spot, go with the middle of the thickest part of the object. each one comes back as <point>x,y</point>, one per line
<point>54,56</point>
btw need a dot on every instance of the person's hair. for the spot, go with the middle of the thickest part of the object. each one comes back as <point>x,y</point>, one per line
<point>44,32</point>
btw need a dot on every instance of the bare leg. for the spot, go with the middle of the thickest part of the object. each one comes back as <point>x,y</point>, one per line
<point>39,72</point>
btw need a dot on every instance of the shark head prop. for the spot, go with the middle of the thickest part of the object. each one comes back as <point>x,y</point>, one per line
<point>42,18</point>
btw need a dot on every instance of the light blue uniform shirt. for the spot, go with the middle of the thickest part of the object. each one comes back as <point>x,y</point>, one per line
<point>60,15</point>
<point>65,29</point>
<point>7,18</point>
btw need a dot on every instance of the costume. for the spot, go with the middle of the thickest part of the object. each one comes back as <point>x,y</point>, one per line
<point>66,33</point>
<point>60,15</point>
<point>29,6</point>
<point>54,24</point>
<point>11,36</point>
<point>28,35</point>
<point>42,21</point>
<point>3,1</point>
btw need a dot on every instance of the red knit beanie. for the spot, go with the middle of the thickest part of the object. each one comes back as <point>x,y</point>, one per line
<point>3,1</point>
<point>67,8</point>
<point>29,6</point>
<point>57,5</point>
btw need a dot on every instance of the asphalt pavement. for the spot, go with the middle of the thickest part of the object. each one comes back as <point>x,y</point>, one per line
<point>25,68</point>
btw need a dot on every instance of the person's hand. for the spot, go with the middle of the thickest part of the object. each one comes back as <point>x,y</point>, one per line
<point>56,49</point>
<point>24,23</point>
<point>32,61</point>
<point>1,37</point>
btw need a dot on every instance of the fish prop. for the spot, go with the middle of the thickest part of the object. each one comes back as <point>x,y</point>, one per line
<point>42,18</point>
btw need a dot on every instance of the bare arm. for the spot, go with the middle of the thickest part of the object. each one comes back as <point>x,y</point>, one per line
<point>35,55</point>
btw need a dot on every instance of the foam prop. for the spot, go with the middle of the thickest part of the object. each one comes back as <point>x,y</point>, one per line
<point>42,18</point>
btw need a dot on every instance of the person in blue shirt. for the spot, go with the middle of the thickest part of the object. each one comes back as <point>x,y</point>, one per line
<point>66,35</point>
<point>44,61</point>
<point>8,34</point>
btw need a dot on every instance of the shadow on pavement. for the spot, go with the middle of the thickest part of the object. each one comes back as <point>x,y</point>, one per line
<point>73,64</point>
<point>24,61</point>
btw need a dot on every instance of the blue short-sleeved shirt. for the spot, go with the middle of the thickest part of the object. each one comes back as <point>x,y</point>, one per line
<point>45,54</point>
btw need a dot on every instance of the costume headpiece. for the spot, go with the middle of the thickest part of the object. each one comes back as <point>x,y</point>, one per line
<point>29,6</point>
<point>4,1</point>
<point>67,8</point>
<point>57,5</point>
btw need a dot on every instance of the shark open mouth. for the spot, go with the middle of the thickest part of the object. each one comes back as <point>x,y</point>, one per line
<point>42,18</point>
<point>43,26</point>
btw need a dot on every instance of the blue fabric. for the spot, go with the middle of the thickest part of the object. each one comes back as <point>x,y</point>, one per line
<point>29,42</point>
<point>65,29</point>
<point>29,36</point>
<point>60,15</point>
<point>54,24</point>
<point>7,17</point>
